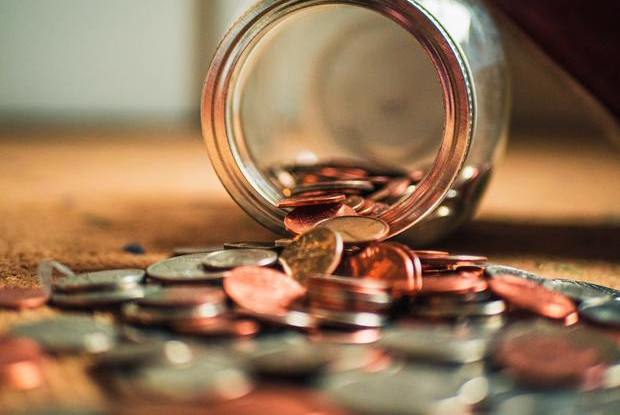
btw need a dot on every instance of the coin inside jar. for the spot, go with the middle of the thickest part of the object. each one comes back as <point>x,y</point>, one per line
<point>231,258</point>
<point>357,229</point>
<point>304,218</point>
<point>311,200</point>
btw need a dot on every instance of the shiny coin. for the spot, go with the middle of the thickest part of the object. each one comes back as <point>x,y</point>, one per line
<point>311,200</point>
<point>395,188</point>
<point>135,355</point>
<point>451,262</point>
<point>494,270</point>
<point>69,334</point>
<point>455,309</point>
<point>344,186</point>
<point>251,245</point>
<point>303,219</point>
<point>134,313</point>
<point>21,364</point>
<point>186,268</point>
<point>232,258</point>
<point>22,298</point>
<point>331,318</point>
<point>602,312</point>
<point>357,229</point>
<point>193,250</point>
<point>217,327</point>
<point>436,343</point>
<point>580,291</point>
<point>533,297</point>
<point>316,252</point>
<point>182,297</point>
<point>99,280</point>
<point>262,290</point>
<point>454,282</point>
<point>355,202</point>
<point>98,298</point>
<point>294,319</point>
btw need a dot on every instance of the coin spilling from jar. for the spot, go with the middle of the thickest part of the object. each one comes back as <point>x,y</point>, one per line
<point>335,316</point>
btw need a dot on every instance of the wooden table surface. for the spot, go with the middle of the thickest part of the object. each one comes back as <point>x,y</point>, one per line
<point>553,208</point>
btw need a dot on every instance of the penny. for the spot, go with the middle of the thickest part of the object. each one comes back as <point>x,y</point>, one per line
<point>68,334</point>
<point>395,188</point>
<point>386,262</point>
<point>533,297</point>
<point>602,312</point>
<point>261,289</point>
<point>311,200</point>
<point>344,186</point>
<point>185,268</point>
<point>331,318</point>
<point>217,327</point>
<point>343,173</point>
<point>461,281</point>
<point>302,219</point>
<point>251,245</point>
<point>348,294</point>
<point>98,298</point>
<point>429,254</point>
<point>357,229</point>
<point>355,202</point>
<point>231,258</point>
<point>99,280</point>
<point>367,208</point>
<point>294,319</point>
<point>182,297</point>
<point>22,298</point>
<point>315,252</point>
<point>21,362</point>
<point>451,261</point>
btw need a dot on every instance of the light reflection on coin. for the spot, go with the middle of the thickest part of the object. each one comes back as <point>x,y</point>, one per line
<point>98,298</point>
<point>357,229</point>
<point>602,312</point>
<point>185,268</point>
<point>231,258</point>
<point>99,280</point>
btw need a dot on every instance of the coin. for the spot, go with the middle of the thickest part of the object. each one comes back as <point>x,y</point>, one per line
<point>451,261</point>
<point>395,188</point>
<point>580,291</point>
<point>68,334</point>
<point>217,327</point>
<point>311,200</point>
<point>331,318</point>
<point>463,310</point>
<point>602,312</point>
<point>494,270</point>
<point>344,186</point>
<point>315,252</point>
<point>135,355</point>
<point>387,262</point>
<point>185,268</point>
<point>99,280</point>
<point>355,202</point>
<point>182,297</point>
<point>454,282</point>
<point>98,298</point>
<point>302,219</point>
<point>294,319</point>
<point>533,297</point>
<point>231,258</point>
<point>357,229</point>
<point>147,315</point>
<point>193,250</point>
<point>21,364</point>
<point>251,245</point>
<point>291,360</point>
<point>22,298</point>
<point>262,290</point>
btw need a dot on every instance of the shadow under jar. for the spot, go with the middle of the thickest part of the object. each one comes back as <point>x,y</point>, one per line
<point>395,88</point>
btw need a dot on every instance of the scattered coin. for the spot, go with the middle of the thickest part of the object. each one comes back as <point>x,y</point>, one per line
<point>315,252</point>
<point>146,315</point>
<point>136,355</point>
<point>357,229</point>
<point>21,364</point>
<point>98,298</point>
<point>22,298</point>
<point>494,270</point>
<point>182,297</point>
<point>185,268</point>
<point>100,280</point>
<point>303,219</point>
<point>218,327</point>
<point>354,320</point>
<point>355,202</point>
<point>231,258</point>
<point>262,290</point>
<point>193,250</point>
<point>291,360</point>
<point>454,282</point>
<point>251,245</point>
<point>602,312</point>
<point>580,291</point>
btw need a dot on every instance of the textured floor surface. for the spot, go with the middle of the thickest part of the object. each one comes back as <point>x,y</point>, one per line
<point>552,208</point>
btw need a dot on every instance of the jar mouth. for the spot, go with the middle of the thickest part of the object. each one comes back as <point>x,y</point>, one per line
<point>228,148</point>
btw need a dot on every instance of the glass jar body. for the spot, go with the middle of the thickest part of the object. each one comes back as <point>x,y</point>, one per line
<point>419,85</point>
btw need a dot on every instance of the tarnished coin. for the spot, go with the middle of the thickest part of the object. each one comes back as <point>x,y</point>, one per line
<point>182,297</point>
<point>343,186</point>
<point>533,297</point>
<point>580,291</point>
<point>494,270</point>
<point>69,334</point>
<point>21,362</point>
<point>251,245</point>
<point>602,312</point>
<point>99,280</point>
<point>315,252</point>
<point>357,229</point>
<point>386,262</point>
<point>262,290</point>
<point>437,343</point>
<point>303,219</point>
<point>22,298</point>
<point>232,258</point>
<point>185,268</point>
<point>98,298</point>
<point>137,314</point>
<point>298,201</point>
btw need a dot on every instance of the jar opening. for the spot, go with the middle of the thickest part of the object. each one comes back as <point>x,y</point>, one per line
<point>300,83</point>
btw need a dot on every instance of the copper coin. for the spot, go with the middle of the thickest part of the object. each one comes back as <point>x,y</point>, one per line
<point>454,282</point>
<point>417,267</point>
<point>367,208</point>
<point>262,290</point>
<point>302,219</point>
<point>395,188</point>
<point>217,327</point>
<point>355,202</point>
<point>343,173</point>
<point>21,362</point>
<point>430,254</point>
<point>451,261</point>
<point>315,252</point>
<point>298,201</point>
<point>22,298</point>
<point>379,209</point>
<point>182,297</point>
<point>385,261</point>
<point>343,186</point>
<point>533,297</point>
<point>357,229</point>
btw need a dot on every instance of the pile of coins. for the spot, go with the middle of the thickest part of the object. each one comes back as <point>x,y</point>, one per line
<point>335,316</point>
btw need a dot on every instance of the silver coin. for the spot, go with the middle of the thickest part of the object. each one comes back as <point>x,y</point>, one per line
<point>251,245</point>
<point>437,343</point>
<point>137,314</point>
<point>185,268</point>
<point>99,298</point>
<point>493,270</point>
<point>347,319</point>
<point>564,403</point>
<point>206,380</point>
<point>232,258</point>
<point>602,312</point>
<point>283,243</point>
<point>69,334</point>
<point>336,185</point>
<point>99,280</point>
<point>291,360</point>
<point>580,291</point>
<point>293,319</point>
<point>477,309</point>
<point>134,355</point>
<point>193,250</point>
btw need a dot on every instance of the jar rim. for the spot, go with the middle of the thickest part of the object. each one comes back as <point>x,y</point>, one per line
<point>229,156</point>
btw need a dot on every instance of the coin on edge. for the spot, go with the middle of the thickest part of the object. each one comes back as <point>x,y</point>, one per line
<point>185,268</point>
<point>232,258</point>
<point>357,229</point>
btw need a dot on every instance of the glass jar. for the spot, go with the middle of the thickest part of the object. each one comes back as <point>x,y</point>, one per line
<point>411,85</point>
